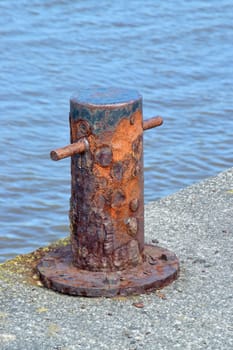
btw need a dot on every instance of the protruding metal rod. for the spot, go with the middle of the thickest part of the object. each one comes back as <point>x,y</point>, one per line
<point>152,123</point>
<point>78,147</point>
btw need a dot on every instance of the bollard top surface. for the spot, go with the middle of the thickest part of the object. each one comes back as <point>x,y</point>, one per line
<point>105,96</point>
<point>103,108</point>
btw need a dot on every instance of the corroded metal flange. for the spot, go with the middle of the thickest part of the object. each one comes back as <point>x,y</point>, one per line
<point>159,268</point>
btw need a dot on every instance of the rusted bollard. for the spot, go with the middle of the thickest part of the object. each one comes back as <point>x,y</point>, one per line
<point>107,255</point>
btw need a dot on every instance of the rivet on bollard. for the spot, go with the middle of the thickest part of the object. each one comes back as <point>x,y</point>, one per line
<point>107,255</point>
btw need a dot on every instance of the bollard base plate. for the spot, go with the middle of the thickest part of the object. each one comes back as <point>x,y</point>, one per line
<point>159,268</point>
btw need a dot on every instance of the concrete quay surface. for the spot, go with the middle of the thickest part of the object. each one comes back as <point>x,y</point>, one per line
<point>194,312</point>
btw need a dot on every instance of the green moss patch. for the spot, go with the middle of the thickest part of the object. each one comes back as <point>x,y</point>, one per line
<point>24,266</point>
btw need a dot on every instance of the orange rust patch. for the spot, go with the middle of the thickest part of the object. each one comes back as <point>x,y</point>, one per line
<point>100,171</point>
<point>132,189</point>
<point>124,135</point>
<point>129,187</point>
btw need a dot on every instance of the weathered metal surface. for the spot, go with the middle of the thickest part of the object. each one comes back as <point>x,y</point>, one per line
<point>78,147</point>
<point>158,268</point>
<point>105,233</point>
<point>152,123</point>
<point>107,188</point>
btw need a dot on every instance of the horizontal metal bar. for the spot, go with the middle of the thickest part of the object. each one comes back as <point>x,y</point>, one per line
<point>152,123</point>
<point>78,147</point>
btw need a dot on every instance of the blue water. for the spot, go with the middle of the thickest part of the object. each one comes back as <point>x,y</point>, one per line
<point>177,54</point>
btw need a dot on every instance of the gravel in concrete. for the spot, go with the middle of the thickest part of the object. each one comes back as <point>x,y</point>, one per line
<point>195,312</point>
